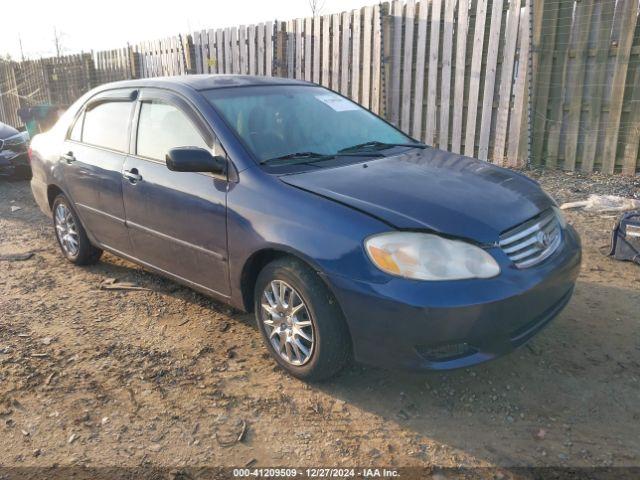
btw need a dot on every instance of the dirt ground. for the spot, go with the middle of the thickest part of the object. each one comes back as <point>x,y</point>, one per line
<point>168,377</point>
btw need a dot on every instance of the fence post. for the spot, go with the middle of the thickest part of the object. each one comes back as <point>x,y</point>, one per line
<point>280,53</point>
<point>386,28</point>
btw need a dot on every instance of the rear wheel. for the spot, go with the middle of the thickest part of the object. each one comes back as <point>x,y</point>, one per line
<point>301,323</point>
<point>71,235</point>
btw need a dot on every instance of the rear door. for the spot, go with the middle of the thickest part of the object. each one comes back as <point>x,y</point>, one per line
<point>176,220</point>
<point>92,160</point>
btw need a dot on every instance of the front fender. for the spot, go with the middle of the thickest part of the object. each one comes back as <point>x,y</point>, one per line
<point>264,213</point>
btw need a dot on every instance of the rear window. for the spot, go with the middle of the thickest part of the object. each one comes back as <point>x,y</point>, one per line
<point>106,125</point>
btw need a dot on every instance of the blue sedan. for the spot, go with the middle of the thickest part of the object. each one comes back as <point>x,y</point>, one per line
<point>347,238</point>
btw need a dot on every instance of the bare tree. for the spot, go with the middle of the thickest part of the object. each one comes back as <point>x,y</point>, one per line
<point>57,42</point>
<point>316,6</point>
<point>21,49</point>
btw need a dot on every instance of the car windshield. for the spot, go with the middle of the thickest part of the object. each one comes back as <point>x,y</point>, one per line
<point>293,123</point>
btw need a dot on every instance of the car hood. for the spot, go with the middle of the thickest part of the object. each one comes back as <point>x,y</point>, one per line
<point>6,131</point>
<point>433,190</point>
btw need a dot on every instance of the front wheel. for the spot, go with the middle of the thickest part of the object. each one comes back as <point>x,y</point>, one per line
<point>71,235</point>
<point>300,321</point>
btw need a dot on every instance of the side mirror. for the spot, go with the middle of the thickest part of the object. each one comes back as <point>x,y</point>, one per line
<point>194,159</point>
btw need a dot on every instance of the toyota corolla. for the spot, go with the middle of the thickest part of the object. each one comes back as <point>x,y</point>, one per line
<point>347,238</point>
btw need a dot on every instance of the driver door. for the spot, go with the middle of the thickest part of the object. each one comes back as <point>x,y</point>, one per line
<point>177,220</point>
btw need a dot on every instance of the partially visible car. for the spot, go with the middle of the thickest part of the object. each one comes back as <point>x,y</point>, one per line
<point>14,152</point>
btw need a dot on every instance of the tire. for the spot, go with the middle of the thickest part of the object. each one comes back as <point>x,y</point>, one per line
<point>331,347</point>
<point>84,253</point>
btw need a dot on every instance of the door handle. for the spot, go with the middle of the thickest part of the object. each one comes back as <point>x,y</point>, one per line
<point>68,157</point>
<point>132,175</point>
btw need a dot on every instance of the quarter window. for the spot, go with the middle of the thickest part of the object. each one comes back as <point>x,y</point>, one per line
<point>106,125</point>
<point>162,127</point>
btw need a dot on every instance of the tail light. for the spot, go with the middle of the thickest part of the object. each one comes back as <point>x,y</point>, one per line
<point>29,154</point>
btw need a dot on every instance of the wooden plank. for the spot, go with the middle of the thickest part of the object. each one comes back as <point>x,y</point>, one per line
<point>326,57</point>
<point>559,91</point>
<point>220,51</point>
<point>176,55</point>
<point>506,82</point>
<point>291,48</point>
<point>356,72</point>
<point>298,32</point>
<point>595,99</point>
<point>519,115</point>
<point>629,20</point>
<point>228,51</point>
<point>344,54</point>
<point>421,51</point>
<point>243,49</point>
<point>335,47</point>
<point>235,50</point>
<point>158,55</point>
<point>171,56</point>
<point>584,12</point>
<point>376,60</point>
<point>407,66</point>
<point>474,82</point>
<point>632,144</point>
<point>462,29</point>
<point>260,50</point>
<point>543,77</point>
<point>197,45</point>
<point>308,56</point>
<point>432,82</point>
<point>269,46</point>
<point>490,79</point>
<point>163,55</point>
<point>445,84</point>
<point>367,29</point>
<point>317,43</point>
<point>396,66</point>
<point>251,48</point>
<point>171,41</point>
<point>162,46</point>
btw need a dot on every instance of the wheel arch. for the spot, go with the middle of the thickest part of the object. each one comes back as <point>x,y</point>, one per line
<point>53,191</point>
<point>259,259</point>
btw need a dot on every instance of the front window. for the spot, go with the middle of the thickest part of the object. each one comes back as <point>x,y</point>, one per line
<point>276,121</point>
<point>162,127</point>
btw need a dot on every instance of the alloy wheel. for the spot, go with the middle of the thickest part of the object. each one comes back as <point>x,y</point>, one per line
<point>66,230</point>
<point>287,322</point>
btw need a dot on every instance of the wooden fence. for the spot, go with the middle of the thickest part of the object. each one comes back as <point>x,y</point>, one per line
<point>452,73</point>
<point>586,110</point>
<point>244,50</point>
<point>456,72</point>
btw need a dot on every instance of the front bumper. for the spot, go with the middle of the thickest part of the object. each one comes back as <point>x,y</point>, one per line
<point>14,164</point>
<point>444,325</point>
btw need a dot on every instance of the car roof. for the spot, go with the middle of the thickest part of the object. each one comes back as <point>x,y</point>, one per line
<point>205,82</point>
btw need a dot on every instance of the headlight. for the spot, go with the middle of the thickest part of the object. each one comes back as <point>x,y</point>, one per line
<point>560,216</point>
<point>422,256</point>
<point>17,139</point>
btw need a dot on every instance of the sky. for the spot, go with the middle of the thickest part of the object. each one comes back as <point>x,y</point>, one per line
<point>85,25</point>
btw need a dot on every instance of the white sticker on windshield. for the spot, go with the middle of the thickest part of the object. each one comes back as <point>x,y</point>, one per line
<point>338,103</point>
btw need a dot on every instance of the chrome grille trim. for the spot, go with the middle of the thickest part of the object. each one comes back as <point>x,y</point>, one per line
<point>533,241</point>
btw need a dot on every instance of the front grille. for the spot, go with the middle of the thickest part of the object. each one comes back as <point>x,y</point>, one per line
<point>533,241</point>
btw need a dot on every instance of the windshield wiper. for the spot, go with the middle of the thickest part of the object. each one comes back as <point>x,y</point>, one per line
<point>381,145</point>
<point>302,155</point>
<point>313,157</point>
